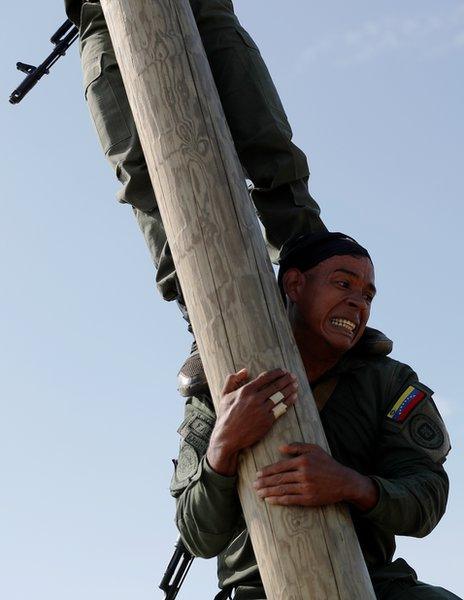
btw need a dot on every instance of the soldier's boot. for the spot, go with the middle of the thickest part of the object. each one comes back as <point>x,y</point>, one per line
<point>191,378</point>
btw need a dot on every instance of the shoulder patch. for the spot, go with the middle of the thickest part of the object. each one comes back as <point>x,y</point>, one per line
<point>406,403</point>
<point>188,463</point>
<point>186,469</point>
<point>196,431</point>
<point>426,432</point>
<point>415,417</point>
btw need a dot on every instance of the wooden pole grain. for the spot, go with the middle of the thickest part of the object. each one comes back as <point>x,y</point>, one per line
<point>228,283</point>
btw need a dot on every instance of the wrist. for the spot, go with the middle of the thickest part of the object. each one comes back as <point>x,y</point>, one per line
<point>221,457</point>
<point>363,492</point>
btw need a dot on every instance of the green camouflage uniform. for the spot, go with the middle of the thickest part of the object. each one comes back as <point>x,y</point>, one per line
<point>406,462</point>
<point>259,127</point>
<point>403,457</point>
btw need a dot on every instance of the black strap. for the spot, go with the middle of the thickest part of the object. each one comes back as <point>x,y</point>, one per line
<point>224,594</point>
<point>324,390</point>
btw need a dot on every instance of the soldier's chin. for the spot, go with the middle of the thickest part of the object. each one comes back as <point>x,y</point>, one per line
<point>359,333</point>
<point>345,345</point>
<point>342,342</point>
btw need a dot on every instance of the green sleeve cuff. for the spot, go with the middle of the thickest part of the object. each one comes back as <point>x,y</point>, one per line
<point>376,513</point>
<point>221,482</point>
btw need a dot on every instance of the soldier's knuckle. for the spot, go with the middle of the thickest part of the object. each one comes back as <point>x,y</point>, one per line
<point>305,461</point>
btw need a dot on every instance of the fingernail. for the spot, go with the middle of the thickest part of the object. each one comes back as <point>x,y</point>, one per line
<point>259,474</point>
<point>294,377</point>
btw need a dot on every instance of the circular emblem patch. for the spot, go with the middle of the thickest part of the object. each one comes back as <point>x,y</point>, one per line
<point>188,463</point>
<point>426,432</point>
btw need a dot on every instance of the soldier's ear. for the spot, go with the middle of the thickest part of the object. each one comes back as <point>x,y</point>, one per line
<point>293,282</point>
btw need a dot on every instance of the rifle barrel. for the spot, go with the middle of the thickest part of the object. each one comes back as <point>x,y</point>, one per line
<point>62,45</point>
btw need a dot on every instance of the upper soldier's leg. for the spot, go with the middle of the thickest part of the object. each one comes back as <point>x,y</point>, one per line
<point>254,113</point>
<point>112,116</point>
<point>259,126</point>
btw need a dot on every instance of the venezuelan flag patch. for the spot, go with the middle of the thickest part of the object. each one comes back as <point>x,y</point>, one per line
<point>405,404</point>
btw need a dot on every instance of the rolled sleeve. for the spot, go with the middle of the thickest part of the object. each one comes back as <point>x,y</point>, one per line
<point>208,511</point>
<point>413,444</point>
<point>410,505</point>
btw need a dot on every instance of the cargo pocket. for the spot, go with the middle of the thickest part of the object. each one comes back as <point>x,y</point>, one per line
<point>107,100</point>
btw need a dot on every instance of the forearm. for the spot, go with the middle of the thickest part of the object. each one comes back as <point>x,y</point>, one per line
<point>207,512</point>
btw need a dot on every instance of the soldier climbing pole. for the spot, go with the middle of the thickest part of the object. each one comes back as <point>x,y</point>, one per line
<point>228,283</point>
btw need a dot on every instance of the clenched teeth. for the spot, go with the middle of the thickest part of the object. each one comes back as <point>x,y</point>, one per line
<point>344,323</point>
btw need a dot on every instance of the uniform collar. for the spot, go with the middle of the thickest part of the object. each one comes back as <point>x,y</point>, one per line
<point>373,343</point>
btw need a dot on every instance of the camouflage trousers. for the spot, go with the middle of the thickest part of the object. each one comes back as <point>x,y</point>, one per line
<point>257,120</point>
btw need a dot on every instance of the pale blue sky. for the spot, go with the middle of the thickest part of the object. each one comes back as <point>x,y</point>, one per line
<point>89,353</point>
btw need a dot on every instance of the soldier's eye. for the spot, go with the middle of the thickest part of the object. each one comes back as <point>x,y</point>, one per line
<point>343,283</point>
<point>368,297</point>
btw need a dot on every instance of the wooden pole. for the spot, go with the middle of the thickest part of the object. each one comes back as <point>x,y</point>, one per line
<point>228,282</point>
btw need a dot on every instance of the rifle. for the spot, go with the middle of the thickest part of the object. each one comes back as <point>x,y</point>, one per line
<point>62,39</point>
<point>176,571</point>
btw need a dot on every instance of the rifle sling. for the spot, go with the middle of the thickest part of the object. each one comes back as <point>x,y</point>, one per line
<point>323,391</point>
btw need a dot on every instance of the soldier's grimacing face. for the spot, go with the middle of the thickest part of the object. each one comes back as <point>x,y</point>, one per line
<point>333,301</point>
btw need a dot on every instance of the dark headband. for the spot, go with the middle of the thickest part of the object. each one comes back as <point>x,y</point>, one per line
<point>308,250</point>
